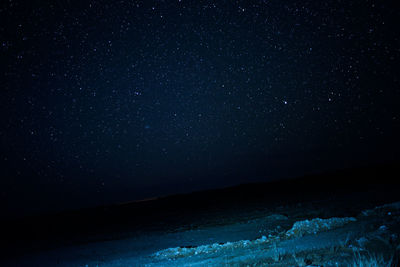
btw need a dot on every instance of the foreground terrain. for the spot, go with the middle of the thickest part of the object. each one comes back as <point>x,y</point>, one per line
<point>304,222</point>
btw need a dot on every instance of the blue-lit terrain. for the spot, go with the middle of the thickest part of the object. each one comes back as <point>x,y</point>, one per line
<point>348,226</point>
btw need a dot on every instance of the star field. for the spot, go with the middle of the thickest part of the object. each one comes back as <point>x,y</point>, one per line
<point>108,101</point>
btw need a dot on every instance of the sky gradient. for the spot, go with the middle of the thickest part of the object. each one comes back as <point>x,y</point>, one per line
<point>111,101</point>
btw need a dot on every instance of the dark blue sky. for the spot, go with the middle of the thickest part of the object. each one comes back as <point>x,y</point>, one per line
<point>108,101</point>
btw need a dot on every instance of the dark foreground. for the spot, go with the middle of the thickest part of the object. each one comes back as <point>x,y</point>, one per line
<point>333,219</point>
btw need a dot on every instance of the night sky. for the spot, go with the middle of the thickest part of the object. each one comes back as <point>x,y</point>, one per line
<point>112,101</point>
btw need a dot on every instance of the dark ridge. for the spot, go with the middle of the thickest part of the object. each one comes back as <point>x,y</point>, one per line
<point>376,184</point>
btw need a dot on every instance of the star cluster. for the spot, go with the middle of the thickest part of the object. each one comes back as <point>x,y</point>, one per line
<point>154,97</point>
